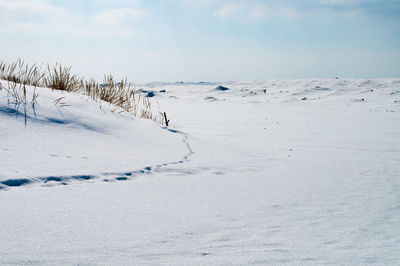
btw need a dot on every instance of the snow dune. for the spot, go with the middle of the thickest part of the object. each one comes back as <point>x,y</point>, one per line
<point>276,172</point>
<point>82,140</point>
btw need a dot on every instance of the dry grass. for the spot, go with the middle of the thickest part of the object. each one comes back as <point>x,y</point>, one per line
<point>60,103</point>
<point>60,78</point>
<point>118,93</point>
<point>14,91</point>
<point>20,72</point>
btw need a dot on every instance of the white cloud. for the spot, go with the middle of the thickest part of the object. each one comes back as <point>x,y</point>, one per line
<point>34,17</point>
<point>48,22</point>
<point>288,12</point>
<point>259,11</point>
<point>243,10</point>
<point>287,9</point>
<point>255,10</point>
<point>23,7</point>
<point>118,2</point>
<point>227,10</point>
<point>192,2</point>
<point>114,17</point>
<point>340,2</point>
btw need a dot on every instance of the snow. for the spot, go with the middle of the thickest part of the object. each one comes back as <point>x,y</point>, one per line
<point>78,140</point>
<point>254,176</point>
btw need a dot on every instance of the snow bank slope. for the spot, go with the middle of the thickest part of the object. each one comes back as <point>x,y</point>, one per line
<point>77,138</point>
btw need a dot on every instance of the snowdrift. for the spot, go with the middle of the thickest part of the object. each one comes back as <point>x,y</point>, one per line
<point>67,136</point>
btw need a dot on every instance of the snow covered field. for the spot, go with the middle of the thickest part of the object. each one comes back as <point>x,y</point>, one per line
<point>284,171</point>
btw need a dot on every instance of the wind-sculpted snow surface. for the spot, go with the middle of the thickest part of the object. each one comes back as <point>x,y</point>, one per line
<point>83,140</point>
<point>277,172</point>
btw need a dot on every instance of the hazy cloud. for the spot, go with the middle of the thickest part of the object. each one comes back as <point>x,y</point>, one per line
<point>259,11</point>
<point>114,17</point>
<point>341,2</point>
<point>33,7</point>
<point>227,10</point>
<point>255,11</point>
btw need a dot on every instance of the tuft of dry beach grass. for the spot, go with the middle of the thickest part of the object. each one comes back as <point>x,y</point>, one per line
<point>118,93</point>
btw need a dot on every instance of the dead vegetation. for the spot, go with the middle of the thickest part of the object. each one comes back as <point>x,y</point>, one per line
<point>20,72</point>
<point>120,94</point>
<point>60,78</point>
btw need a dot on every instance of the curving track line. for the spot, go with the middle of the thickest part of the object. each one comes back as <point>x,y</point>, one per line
<point>106,177</point>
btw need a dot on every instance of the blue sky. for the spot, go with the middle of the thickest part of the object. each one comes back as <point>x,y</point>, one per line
<point>206,40</point>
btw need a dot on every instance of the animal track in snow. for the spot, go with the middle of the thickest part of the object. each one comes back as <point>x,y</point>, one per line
<point>106,177</point>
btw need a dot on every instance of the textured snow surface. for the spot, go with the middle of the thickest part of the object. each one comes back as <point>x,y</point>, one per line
<point>277,172</point>
<point>81,140</point>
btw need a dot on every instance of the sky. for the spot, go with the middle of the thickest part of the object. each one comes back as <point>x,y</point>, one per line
<point>206,40</point>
